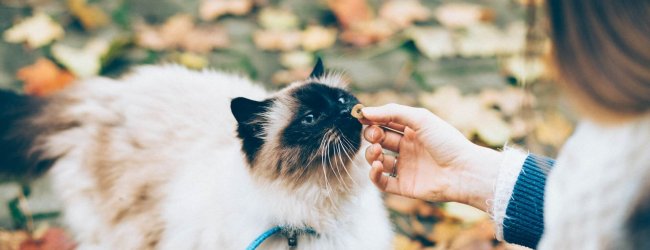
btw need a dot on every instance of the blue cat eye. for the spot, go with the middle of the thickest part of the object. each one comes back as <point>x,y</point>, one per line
<point>308,119</point>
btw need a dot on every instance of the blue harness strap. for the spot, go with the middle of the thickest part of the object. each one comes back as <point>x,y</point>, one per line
<point>291,235</point>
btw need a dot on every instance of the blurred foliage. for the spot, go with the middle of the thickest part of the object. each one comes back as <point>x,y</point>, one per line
<point>476,63</point>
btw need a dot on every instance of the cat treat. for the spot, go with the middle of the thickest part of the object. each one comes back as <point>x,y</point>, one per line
<point>356,111</point>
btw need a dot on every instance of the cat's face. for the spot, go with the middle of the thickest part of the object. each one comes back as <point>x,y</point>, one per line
<point>305,131</point>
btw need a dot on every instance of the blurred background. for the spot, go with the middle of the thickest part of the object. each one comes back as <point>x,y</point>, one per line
<point>479,65</point>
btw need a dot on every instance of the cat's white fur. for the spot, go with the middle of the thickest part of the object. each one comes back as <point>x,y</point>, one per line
<point>172,129</point>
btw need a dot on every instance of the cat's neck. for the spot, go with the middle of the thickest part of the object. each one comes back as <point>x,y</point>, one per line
<point>311,204</point>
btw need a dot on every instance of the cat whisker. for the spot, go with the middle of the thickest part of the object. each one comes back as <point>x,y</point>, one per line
<point>337,144</point>
<point>343,150</point>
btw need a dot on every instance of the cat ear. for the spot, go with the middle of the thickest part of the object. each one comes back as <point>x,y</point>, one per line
<point>319,69</point>
<point>248,113</point>
<point>246,110</point>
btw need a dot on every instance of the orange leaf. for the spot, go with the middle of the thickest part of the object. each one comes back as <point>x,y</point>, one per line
<point>43,78</point>
<point>54,239</point>
<point>349,12</point>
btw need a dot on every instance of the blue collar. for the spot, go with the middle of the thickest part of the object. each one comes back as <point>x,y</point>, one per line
<point>290,232</point>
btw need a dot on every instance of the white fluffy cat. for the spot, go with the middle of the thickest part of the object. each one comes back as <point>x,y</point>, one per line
<point>170,158</point>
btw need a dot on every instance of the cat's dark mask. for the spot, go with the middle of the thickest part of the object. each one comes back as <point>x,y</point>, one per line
<point>305,125</point>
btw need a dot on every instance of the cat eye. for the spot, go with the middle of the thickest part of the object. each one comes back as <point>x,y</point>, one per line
<point>308,119</point>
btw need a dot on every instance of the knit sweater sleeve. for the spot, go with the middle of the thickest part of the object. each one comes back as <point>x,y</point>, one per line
<point>518,208</point>
<point>524,220</point>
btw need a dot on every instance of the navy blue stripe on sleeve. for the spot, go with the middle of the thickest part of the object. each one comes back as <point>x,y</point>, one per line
<point>524,221</point>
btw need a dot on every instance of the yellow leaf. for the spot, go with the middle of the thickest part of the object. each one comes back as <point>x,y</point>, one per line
<point>401,242</point>
<point>91,17</point>
<point>297,59</point>
<point>192,61</point>
<point>278,19</point>
<point>553,129</point>
<point>317,38</point>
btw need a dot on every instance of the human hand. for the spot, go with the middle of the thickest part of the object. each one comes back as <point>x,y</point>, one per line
<point>435,163</point>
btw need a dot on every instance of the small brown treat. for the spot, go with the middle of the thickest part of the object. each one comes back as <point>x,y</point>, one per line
<point>356,111</point>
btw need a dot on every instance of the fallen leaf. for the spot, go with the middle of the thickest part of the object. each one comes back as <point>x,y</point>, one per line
<point>444,232</point>
<point>457,15</point>
<point>284,77</point>
<point>12,240</point>
<point>513,40</point>
<point>401,204</point>
<point>43,78</point>
<point>385,96</point>
<point>427,210</point>
<point>368,32</point>
<point>465,213</point>
<point>479,236</point>
<point>480,40</point>
<point>91,17</point>
<point>404,13</point>
<point>401,242</point>
<point>459,111</point>
<point>192,60</point>
<point>509,101</point>
<point>84,62</point>
<point>37,30</point>
<point>492,129</point>
<point>433,42</point>
<point>278,19</point>
<point>297,59</point>
<point>54,239</point>
<point>318,37</point>
<point>213,9</point>
<point>281,40</point>
<point>350,12</point>
<point>525,70</point>
<point>180,32</point>
<point>553,129</point>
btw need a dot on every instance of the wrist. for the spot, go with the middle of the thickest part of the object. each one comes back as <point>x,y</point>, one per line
<point>478,177</point>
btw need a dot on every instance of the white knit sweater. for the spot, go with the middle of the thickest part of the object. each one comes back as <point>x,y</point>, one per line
<point>592,187</point>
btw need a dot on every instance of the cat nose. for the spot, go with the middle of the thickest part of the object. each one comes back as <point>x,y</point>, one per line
<point>346,108</point>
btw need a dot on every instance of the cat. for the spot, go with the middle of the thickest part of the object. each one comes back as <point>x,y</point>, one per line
<point>170,158</point>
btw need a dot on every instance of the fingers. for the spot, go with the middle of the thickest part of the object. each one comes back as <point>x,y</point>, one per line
<point>388,139</point>
<point>374,153</point>
<point>395,113</point>
<point>383,182</point>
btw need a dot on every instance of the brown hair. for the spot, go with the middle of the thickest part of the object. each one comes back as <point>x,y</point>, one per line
<point>601,52</point>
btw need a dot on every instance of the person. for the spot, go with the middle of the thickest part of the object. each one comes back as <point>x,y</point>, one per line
<point>595,195</point>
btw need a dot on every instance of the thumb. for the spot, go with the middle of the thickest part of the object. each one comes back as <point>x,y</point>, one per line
<point>412,117</point>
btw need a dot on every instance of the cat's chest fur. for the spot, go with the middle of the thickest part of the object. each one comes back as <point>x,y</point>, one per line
<point>154,163</point>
